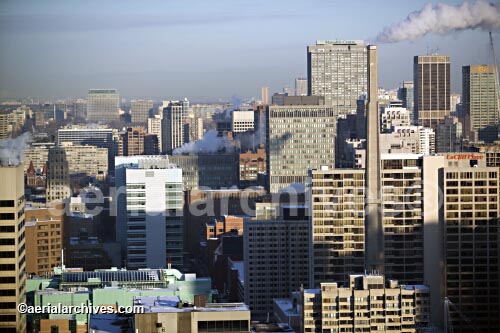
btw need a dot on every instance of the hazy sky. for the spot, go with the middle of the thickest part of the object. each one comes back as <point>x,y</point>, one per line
<point>172,49</point>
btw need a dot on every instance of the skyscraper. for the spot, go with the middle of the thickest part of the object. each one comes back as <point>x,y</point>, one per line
<point>338,70</point>
<point>58,184</point>
<point>149,219</point>
<point>480,102</point>
<point>300,86</point>
<point>431,77</point>
<point>405,94</point>
<point>265,95</point>
<point>103,105</point>
<point>12,248</point>
<point>172,125</point>
<point>139,110</point>
<point>299,137</point>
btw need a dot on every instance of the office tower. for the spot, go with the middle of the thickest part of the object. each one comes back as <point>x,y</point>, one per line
<point>242,121</point>
<point>12,246</point>
<point>132,142</point>
<point>196,130</point>
<point>455,100</point>
<point>338,71</point>
<point>139,110</point>
<point>449,135</point>
<point>101,137</point>
<point>298,138</point>
<point>394,114</point>
<point>151,144</point>
<point>337,239</point>
<point>431,77</point>
<point>373,224</point>
<point>265,95</point>
<point>43,240</point>
<point>149,223</point>
<point>80,109</point>
<point>58,184</point>
<point>365,304</point>
<point>103,105</point>
<point>300,86</point>
<point>172,124</point>
<point>461,209</point>
<point>405,95</point>
<point>154,127</point>
<point>276,259</point>
<point>480,102</point>
<point>48,110</point>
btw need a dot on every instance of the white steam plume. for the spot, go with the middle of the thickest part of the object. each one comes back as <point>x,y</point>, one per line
<point>11,150</point>
<point>442,19</point>
<point>210,143</point>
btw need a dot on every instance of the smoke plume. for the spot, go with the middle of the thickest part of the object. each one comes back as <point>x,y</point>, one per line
<point>442,19</point>
<point>11,150</point>
<point>210,143</point>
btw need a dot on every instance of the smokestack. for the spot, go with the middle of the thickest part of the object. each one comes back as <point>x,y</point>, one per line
<point>374,240</point>
<point>442,19</point>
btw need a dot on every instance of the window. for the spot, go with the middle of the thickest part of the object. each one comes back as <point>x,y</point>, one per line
<point>6,203</point>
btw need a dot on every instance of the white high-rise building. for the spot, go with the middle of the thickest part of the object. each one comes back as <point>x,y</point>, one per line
<point>149,222</point>
<point>103,105</point>
<point>300,86</point>
<point>242,121</point>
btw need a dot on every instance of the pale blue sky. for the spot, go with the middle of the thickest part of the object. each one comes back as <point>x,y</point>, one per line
<point>171,49</point>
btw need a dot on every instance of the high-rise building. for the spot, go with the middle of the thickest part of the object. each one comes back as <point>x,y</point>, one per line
<point>132,142</point>
<point>449,135</point>
<point>154,127</point>
<point>276,259</point>
<point>242,121</point>
<point>58,181</point>
<point>103,105</point>
<point>405,95</point>
<point>338,70</point>
<point>480,102</point>
<point>172,125</point>
<point>431,77</point>
<point>365,304</point>
<point>43,240</point>
<point>298,138</point>
<point>265,95</point>
<point>149,223</point>
<point>139,110</point>
<point>394,116</point>
<point>101,137</point>
<point>300,86</point>
<point>461,196</point>
<point>12,248</point>
<point>337,219</point>
<point>80,109</point>
<point>408,139</point>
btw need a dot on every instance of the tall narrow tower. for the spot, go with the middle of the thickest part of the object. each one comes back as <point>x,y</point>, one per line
<point>374,238</point>
<point>12,248</point>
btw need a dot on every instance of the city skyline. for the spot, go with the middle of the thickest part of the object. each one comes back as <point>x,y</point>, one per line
<point>183,49</point>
